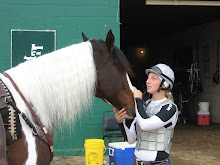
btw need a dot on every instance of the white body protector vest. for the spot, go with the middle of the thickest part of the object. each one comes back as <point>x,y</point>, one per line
<point>155,140</point>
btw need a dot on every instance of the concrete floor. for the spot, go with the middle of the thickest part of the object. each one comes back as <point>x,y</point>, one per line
<point>192,145</point>
<point>72,160</point>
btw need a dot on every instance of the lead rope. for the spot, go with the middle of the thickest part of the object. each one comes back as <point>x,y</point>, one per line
<point>50,142</point>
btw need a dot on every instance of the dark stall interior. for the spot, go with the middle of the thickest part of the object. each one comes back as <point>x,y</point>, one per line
<point>141,23</point>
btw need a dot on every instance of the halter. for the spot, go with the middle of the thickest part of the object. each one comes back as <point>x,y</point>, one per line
<point>49,140</point>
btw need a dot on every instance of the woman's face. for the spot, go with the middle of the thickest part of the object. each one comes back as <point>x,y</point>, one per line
<point>153,83</point>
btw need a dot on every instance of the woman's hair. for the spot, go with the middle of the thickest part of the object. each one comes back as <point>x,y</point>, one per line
<point>169,95</point>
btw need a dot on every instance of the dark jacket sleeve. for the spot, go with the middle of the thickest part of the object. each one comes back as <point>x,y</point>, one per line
<point>140,108</point>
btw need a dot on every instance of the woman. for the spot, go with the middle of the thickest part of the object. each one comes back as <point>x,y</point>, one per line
<point>155,119</point>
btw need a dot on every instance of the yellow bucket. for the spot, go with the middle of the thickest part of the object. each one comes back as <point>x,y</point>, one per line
<point>94,151</point>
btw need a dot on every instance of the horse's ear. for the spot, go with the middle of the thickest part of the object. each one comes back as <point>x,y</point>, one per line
<point>84,37</point>
<point>110,39</point>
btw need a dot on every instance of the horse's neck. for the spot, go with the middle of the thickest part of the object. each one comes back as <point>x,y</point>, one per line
<point>58,84</point>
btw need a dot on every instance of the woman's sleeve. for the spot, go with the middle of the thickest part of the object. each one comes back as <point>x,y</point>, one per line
<point>129,133</point>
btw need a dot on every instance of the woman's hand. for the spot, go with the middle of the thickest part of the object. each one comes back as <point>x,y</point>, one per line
<point>119,115</point>
<point>137,93</point>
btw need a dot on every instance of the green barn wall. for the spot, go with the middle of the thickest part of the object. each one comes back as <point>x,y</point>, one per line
<point>69,18</point>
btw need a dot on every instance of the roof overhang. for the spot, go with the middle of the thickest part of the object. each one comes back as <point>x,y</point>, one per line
<point>183,2</point>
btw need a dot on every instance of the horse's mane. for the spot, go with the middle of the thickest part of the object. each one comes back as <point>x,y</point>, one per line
<point>121,61</point>
<point>58,84</point>
<point>61,83</point>
<point>118,56</point>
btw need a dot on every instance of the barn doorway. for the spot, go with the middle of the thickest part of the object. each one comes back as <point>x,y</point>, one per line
<point>173,34</point>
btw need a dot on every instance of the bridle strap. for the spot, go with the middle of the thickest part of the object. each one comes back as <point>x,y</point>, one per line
<point>160,87</point>
<point>50,142</point>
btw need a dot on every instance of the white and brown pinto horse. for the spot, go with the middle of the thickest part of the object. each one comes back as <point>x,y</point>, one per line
<point>60,85</point>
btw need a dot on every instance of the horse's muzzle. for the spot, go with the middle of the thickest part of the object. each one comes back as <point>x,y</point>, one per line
<point>130,113</point>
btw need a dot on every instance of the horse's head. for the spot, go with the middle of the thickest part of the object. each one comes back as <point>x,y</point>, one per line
<point>112,74</point>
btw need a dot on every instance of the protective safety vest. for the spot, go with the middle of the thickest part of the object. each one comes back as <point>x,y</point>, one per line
<point>155,140</point>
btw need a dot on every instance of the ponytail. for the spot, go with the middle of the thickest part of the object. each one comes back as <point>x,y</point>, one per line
<point>169,95</point>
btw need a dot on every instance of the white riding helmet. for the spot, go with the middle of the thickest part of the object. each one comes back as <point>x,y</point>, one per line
<point>164,72</point>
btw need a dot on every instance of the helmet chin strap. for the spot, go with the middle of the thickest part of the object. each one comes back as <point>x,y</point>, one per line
<point>161,88</point>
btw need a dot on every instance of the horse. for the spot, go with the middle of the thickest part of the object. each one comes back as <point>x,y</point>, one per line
<point>59,86</point>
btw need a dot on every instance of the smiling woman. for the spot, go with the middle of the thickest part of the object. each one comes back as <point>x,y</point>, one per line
<point>153,127</point>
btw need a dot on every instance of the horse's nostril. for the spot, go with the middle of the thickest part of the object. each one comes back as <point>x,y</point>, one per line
<point>132,112</point>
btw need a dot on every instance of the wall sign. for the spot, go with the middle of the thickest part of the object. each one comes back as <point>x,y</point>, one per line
<point>30,44</point>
